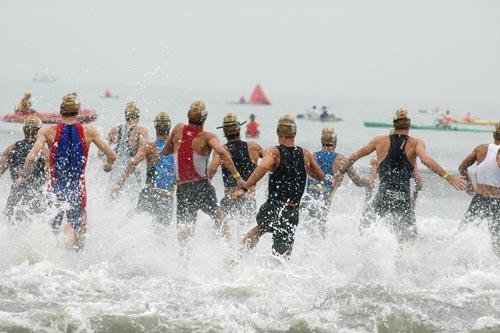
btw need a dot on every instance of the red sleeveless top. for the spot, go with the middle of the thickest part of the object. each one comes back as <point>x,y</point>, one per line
<point>189,164</point>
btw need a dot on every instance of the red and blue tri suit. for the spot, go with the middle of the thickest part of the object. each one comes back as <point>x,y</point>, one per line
<point>68,158</point>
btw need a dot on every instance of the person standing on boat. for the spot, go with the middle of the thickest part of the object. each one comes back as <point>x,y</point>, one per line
<point>245,156</point>
<point>69,143</point>
<point>126,140</point>
<point>398,154</point>
<point>24,106</point>
<point>30,194</point>
<point>320,192</point>
<point>192,147</point>
<point>485,203</point>
<point>288,166</point>
<point>157,197</point>
<point>252,128</point>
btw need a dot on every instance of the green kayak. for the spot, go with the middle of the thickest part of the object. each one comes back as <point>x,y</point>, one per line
<point>430,127</point>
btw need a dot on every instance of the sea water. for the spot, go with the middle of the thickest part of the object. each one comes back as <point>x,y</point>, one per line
<point>130,278</point>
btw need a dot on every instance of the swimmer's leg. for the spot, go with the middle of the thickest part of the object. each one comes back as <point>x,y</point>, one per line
<point>284,234</point>
<point>75,229</point>
<point>251,238</point>
<point>208,204</point>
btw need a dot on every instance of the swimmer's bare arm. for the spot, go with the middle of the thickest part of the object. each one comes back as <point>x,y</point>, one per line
<point>143,137</point>
<point>312,167</point>
<point>362,152</point>
<point>41,141</point>
<point>113,136</point>
<point>256,148</point>
<point>267,164</point>
<point>141,155</point>
<point>112,139</point>
<point>417,178</point>
<point>466,163</point>
<point>355,177</point>
<point>366,150</point>
<point>169,146</point>
<point>455,181</point>
<point>373,176</point>
<point>214,165</point>
<point>103,146</point>
<point>4,162</point>
<point>224,155</point>
<point>46,170</point>
<point>373,169</point>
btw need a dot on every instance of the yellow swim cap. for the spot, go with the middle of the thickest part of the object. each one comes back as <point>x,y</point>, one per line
<point>328,137</point>
<point>197,112</point>
<point>31,126</point>
<point>132,112</point>
<point>70,105</point>
<point>401,119</point>
<point>162,123</point>
<point>27,94</point>
<point>286,127</point>
<point>401,113</point>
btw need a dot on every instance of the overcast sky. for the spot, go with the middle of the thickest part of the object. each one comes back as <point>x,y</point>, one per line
<point>446,49</point>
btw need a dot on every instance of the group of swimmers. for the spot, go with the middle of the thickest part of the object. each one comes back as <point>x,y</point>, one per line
<point>178,166</point>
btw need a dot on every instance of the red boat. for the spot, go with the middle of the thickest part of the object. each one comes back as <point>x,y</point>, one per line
<point>84,116</point>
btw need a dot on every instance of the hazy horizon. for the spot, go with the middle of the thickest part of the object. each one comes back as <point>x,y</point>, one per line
<point>441,50</point>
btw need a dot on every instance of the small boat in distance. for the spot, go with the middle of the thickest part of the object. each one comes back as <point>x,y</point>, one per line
<point>258,97</point>
<point>315,115</point>
<point>327,119</point>
<point>44,78</point>
<point>84,116</point>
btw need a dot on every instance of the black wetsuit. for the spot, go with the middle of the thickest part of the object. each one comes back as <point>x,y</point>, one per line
<point>244,207</point>
<point>280,213</point>
<point>393,199</point>
<point>125,131</point>
<point>487,209</point>
<point>30,194</point>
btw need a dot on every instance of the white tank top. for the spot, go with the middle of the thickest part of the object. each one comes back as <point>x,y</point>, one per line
<point>488,171</point>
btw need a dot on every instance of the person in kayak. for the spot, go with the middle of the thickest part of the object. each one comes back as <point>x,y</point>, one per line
<point>398,154</point>
<point>314,112</point>
<point>252,128</point>
<point>446,120</point>
<point>467,118</point>
<point>68,142</point>
<point>157,197</point>
<point>324,115</point>
<point>237,203</point>
<point>288,166</point>
<point>126,140</point>
<point>317,202</point>
<point>24,106</point>
<point>30,194</point>
<point>192,146</point>
<point>485,203</point>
